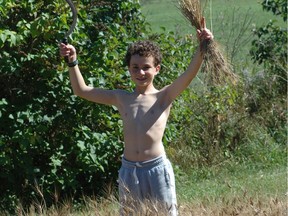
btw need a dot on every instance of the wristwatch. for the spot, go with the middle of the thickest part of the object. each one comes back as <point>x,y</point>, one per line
<point>72,64</point>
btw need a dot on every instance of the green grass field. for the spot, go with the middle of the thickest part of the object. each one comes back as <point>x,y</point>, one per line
<point>164,13</point>
<point>232,22</point>
<point>226,182</point>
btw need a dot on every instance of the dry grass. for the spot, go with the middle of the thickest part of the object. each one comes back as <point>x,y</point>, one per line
<point>192,10</point>
<point>242,205</point>
<point>216,66</point>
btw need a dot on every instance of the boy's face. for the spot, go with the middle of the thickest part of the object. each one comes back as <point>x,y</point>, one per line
<point>142,70</point>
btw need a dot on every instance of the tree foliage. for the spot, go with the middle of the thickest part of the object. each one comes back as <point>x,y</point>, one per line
<point>270,47</point>
<point>48,137</point>
<point>267,89</point>
<point>277,7</point>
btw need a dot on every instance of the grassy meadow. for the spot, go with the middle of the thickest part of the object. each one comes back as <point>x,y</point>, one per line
<point>229,190</point>
<point>231,21</point>
<point>164,13</point>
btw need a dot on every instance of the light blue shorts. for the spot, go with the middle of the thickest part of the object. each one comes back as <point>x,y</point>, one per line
<point>149,180</point>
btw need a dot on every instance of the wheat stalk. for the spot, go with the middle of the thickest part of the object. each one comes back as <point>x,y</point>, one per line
<point>216,66</point>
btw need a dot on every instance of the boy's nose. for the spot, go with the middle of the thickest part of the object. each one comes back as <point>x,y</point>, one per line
<point>142,72</point>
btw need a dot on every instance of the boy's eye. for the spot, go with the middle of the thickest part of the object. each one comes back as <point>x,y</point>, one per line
<point>146,68</point>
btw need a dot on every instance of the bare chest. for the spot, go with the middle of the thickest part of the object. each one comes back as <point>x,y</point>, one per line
<point>145,111</point>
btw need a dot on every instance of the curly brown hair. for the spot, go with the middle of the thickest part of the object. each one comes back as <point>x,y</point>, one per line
<point>144,48</point>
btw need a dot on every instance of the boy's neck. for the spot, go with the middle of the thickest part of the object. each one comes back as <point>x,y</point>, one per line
<point>145,90</point>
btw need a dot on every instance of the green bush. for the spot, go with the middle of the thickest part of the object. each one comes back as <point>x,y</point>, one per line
<point>269,48</point>
<point>52,144</point>
<point>212,126</point>
<point>267,90</point>
<point>48,136</point>
<point>231,122</point>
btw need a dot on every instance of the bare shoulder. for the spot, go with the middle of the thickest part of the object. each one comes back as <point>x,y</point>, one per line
<point>122,96</point>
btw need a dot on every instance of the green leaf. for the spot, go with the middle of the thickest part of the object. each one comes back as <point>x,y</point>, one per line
<point>81,145</point>
<point>13,40</point>
<point>3,37</point>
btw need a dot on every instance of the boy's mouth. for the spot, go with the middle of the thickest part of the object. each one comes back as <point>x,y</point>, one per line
<point>141,79</point>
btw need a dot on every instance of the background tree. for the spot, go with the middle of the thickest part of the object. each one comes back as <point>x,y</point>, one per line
<point>48,137</point>
<point>52,144</point>
<point>267,90</point>
<point>270,47</point>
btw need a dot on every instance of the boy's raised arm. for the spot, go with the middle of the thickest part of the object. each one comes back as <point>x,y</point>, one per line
<point>78,83</point>
<point>183,81</point>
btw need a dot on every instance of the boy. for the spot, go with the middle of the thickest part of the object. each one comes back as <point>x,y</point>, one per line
<point>145,173</point>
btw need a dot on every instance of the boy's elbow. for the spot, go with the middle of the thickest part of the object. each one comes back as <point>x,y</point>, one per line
<point>82,91</point>
<point>78,93</point>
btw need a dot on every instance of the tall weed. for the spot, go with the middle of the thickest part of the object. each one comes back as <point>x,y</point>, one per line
<point>243,204</point>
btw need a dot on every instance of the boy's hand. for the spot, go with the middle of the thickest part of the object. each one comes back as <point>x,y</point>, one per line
<point>204,33</point>
<point>69,51</point>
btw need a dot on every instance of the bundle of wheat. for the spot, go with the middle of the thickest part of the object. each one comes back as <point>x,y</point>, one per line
<point>216,66</point>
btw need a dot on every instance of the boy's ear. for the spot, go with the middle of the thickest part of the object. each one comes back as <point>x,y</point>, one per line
<point>158,67</point>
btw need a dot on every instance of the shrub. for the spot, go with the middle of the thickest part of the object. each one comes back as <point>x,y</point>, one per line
<point>50,139</point>
<point>47,135</point>
<point>270,49</point>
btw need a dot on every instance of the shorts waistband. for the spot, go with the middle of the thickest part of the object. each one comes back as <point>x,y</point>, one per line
<point>140,165</point>
<point>153,162</point>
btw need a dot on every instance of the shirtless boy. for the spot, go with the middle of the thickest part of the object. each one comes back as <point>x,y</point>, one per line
<point>145,173</point>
